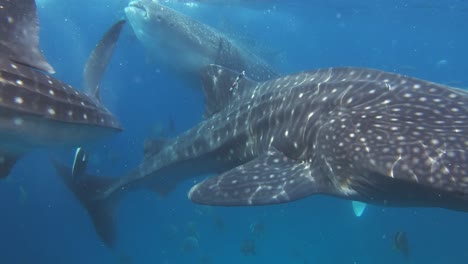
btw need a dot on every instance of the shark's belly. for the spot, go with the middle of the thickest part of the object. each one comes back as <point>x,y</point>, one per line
<point>25,132</point>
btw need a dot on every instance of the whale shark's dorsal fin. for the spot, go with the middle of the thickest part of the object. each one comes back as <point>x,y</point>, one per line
<point>100,57</point>
<point>19,34</point>
<point>221,86</point>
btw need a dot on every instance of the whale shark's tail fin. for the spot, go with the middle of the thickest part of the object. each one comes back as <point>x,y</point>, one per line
<point>89,191</point>
<point>88,188</point>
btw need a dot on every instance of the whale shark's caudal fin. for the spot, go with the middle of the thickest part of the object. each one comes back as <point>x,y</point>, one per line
<point>100,57</point>
<point>19,34</point>
<point>88,190</point>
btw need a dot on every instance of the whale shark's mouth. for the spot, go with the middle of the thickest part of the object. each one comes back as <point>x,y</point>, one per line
<point>138,7</point>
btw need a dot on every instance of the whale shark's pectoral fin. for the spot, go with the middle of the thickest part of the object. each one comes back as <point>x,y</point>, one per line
<point>7,161</point>
<point>269,179</point>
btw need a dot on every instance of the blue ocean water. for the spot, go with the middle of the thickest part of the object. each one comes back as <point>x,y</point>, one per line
<point>42,222</point>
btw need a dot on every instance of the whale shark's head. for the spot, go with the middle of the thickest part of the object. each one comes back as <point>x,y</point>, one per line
<point>173,38</point>
<point>156,22</point>
<point>139,11</point>
<point>142,17</point>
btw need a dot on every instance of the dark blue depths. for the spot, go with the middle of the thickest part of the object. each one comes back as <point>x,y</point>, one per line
<point>41,222</point>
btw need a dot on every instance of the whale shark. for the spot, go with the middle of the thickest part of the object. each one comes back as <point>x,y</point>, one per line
<point>37,110</point>
<point>359,134</point>
<point>186,45</point>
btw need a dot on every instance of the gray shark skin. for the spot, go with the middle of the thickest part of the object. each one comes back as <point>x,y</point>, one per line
<point>37,110</point>
<point>186,45</point>
<point>354,133</point>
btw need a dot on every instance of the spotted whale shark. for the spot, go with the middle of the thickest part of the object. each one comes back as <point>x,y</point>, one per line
<point>359,134</point>
<point>37,110</point>
<point>186,45</point>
